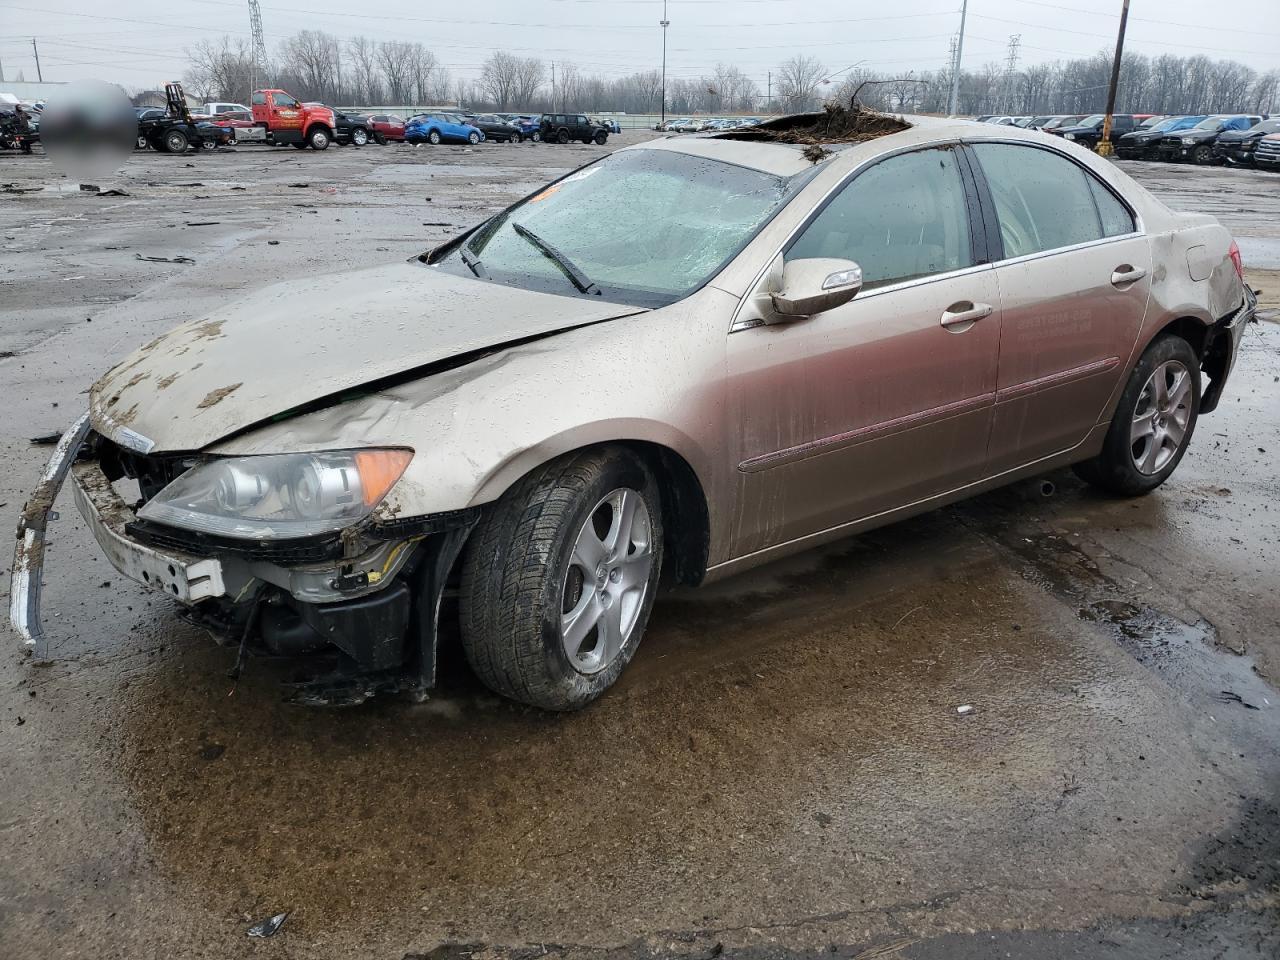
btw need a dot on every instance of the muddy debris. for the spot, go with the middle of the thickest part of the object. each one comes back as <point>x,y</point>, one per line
<point>216,396</point>
<point>164,259</point>
<point>835,124</point>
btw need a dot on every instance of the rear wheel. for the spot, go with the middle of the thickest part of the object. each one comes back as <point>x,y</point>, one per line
<point>536,136</point>
<point>559,579</point>
<point>1153,421</point>
<point>562,136</point>
<point>299,146</point>
<point>140,143</point>
<point>175,141</point>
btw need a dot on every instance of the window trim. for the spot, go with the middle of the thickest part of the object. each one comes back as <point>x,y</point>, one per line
<point>1139,228</point>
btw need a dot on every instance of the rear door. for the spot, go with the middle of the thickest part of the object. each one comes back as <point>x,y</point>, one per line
<point>1074,274</point>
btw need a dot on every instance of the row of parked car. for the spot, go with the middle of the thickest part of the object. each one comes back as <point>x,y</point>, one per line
<point>699,124</point>
<point>276,117</point>
<point>1237,139</point>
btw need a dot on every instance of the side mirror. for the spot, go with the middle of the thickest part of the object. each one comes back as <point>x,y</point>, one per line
<point>815,285</point>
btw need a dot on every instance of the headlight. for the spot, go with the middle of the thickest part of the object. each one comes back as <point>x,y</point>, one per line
<point>1188,141</point>
<point>1070,136</point>
<point>279,496</point>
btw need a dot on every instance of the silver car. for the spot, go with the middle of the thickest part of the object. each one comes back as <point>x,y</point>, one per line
<point>762,348</point>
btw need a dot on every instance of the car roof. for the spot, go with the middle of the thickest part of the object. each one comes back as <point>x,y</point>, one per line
<point>788,159</point>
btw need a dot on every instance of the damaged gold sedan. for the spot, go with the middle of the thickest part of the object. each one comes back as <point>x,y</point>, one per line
<point>765,345</point>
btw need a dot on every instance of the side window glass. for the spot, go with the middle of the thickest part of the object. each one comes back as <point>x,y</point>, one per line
<point>1043,201</point>
<point>1116,218</point>
<point>905,217</point>
<point>258,99</point>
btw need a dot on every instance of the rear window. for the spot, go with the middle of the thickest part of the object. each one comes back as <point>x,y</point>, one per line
<point>258,98</point>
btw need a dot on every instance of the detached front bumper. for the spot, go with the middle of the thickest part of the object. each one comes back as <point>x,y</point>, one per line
<point>375,608</point>
<point>183,577</point>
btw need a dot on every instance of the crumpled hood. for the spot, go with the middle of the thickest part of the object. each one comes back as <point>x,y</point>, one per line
<point>296,342</point>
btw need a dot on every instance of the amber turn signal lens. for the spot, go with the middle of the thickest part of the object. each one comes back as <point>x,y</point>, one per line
<point>379,470</point>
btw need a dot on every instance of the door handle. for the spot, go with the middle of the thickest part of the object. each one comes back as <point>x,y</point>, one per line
<point>1126,274</point>
<point>965,312</point>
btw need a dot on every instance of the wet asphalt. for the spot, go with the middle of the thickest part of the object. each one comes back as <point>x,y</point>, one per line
<point>782,771</point>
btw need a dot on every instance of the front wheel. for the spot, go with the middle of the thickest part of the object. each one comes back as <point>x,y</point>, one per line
<point>601,138</point>
<point>1153,421</point>
<point>1203,155</point>
<point>318,139</point>
<point>140,143</point>
<point>359,136</point>
<point>473,138</point>
<point>560,577</point>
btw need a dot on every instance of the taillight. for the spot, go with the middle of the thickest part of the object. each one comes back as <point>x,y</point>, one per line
<point>1236,261</point>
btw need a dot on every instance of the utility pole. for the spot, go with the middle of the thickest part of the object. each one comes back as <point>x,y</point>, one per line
<point>1010,71</point>
<point>260,64</point>
<point>40,76</point>
<point>768,97</point>
<point>1104,146</point>
<point>553,85</point>
<point>955,70</point>
<point>664,23</point>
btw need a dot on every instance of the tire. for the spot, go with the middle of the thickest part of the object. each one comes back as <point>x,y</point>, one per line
<point>601,138</point>
<point>1202,155</point>
<point>318,138</point>
<point>140,143</point>
<point>522,569</point>
<point>379,139</point>
<point>536,136</point>
<point>434,137</point>
<point>562,136</point>
<point>1133,463</point>
<point>473,138</point>
<point>175,141</point>
<point>518,138</point>
<point>359,136</point>
<point>299,146</point>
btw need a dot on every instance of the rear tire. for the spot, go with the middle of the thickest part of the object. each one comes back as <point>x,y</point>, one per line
<point>175,141</point>
<point>299,146</point>
<point>536,137</point>
<point>538,626</point>
<point>562,136</point>
<point>1152,424</point>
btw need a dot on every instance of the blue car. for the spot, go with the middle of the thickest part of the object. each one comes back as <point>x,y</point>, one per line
<point>530,127</point>
<point>440,128</point>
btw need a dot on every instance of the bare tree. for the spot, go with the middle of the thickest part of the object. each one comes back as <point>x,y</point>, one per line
<point>311,59</point>
<point>530,74</point>
<point>221,70</point>
<point>798,81</point>
<point>395,57</point>
<point>366,79</point>
<point>499,78</point>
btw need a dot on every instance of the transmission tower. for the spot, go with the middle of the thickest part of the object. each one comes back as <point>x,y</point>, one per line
<point>261,66</point>
<point>1010,71</point>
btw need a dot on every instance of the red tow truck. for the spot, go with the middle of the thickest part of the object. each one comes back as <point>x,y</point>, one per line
<point>284,119</point>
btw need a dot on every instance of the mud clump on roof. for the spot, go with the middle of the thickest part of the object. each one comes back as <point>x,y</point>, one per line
<point>835,124</point>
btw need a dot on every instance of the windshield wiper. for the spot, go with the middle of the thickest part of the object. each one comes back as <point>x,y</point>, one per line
<point>567,266</point>
<point>473,262</point>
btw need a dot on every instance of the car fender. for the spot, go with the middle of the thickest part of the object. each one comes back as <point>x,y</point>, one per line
<point>479,427</point>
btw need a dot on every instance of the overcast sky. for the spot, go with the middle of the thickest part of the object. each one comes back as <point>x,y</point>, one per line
<point>139,43</point>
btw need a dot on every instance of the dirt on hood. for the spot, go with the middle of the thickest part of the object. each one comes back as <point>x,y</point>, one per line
<point>835,124</point>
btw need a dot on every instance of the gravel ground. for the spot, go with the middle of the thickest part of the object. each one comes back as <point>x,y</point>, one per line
<point>781,772</point>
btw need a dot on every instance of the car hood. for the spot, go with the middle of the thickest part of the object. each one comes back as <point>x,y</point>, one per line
<point>1228,136</point>
<point>1065,130</point>
<point>303,343</point>
<point>1195,134</point>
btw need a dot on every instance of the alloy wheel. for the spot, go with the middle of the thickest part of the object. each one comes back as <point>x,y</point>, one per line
<point>607,580</point>
<point>1161,417</point>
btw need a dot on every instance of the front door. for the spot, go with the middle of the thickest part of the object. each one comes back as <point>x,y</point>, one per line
<point>887,399</point>
<point>1074,282</point>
